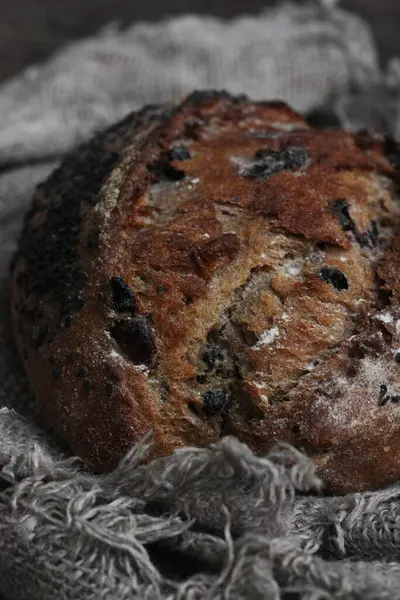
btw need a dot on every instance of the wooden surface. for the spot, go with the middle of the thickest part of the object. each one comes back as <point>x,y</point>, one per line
<point>30,30</point>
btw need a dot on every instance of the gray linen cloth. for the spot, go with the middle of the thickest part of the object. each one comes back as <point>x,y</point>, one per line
<point>211,523</point>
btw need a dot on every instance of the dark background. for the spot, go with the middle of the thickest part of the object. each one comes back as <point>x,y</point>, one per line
<point>30,30</point>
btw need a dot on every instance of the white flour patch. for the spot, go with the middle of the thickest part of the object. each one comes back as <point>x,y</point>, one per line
<point>267,337</point>
<point>373,373</point>
<point>292,267</point>
<point>243,164</point>
<point>260,386</point>
<point>141,368</point>
<point>287,126</point>
<point>385,318</point>
<point>115,355</point>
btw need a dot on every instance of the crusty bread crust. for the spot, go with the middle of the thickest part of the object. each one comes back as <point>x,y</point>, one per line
<point>219,268</point>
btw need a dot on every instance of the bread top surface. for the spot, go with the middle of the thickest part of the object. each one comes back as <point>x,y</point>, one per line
<point>218,268</point>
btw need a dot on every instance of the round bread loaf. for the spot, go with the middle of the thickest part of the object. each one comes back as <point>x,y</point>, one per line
<point>219,268</point>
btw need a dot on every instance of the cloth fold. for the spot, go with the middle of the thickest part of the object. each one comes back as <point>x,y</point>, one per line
<point>211,523</point>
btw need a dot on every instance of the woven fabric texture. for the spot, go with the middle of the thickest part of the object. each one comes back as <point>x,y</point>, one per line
<point>211,523</point>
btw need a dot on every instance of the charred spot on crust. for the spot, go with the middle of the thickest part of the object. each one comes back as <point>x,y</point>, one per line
<point>323,118</point>
<point>123,298</point>
<point>397,357</point>
<point>54,272</point>
<point>202,96</point>
<point>100,298</point>
<point>22,277</point>
<point>56,371</point>
<point>80,373</point>
<point>334,277</point>
<point>38,334</point>
<point>179,152</point>
<point>68,321</point>
<point>110,387</point>
<point>135,339</point>
<point>392,152</point>
<point>162,170</point>
<point>51,251</point>
<point>340,208</point>
<point>214,401</point>
<point>93,239</point>
<point>267,163</point>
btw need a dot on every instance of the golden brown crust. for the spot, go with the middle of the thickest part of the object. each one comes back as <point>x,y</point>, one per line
<point>219,268</point>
